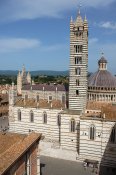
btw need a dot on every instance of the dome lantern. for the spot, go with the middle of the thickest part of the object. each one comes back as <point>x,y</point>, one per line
<point>102,63</point>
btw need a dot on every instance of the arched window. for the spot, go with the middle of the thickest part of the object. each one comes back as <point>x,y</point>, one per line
<point>72,125</point>
<point>59,120</point>
<point>19,115</point>
<point>92,132</point>
<point>45,118</point>
<point>31,116</point>
<point>63,98</point>
<point>113,135</point>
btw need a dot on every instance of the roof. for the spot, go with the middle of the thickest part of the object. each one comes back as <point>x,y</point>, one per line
<point>45,87</point>
<point>79,19</point>
<point>13,146</point>
<point>4,109</point>
<point>4,98</point>
<point>96,105</point>
<point>108,112</point>
<point>102,78</point>
<point>43,103</point>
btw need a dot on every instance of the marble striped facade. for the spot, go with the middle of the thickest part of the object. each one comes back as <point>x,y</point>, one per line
<point>49,130</point>
<point>101,148</point>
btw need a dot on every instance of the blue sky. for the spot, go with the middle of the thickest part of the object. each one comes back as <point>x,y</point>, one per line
<point>36,33</point>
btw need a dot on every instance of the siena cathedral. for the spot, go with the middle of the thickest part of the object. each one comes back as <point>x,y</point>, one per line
<point>80,120</point>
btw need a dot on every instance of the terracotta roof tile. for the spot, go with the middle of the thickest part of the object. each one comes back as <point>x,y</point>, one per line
<point>94,105</point>
<point>13,150</point>
<point>56,104</point>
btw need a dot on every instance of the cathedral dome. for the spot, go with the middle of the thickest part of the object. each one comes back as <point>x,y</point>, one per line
<point>102,78</point>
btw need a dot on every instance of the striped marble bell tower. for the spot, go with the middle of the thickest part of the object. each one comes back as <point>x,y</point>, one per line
<point>78,63</point>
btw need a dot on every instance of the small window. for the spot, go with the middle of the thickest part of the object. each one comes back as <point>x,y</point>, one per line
<point>77,82</point>
<point>26,97</point>
<point>31,116</point>
<point>77,92</point>
<point>19,115</point>
<point>50,98</point>
<point>45,118</point>
<point>78,71</point>
<point>75,48</point>
<point>72,125</point>
<point>113,135</point>
<point>59,120</point>
<point>37,97</point>
<point>63,98</point>
<point>92,132</point>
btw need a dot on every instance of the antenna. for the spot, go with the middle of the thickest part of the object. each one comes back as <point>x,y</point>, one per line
<point>79,8</point>
<point>102,53</point>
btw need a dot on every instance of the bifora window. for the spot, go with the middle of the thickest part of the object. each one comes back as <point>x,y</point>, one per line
<point>45,118</point>
<point>78,48</point>
<point>72,125</point>
<point>113,135</point>
<point>78,60</point>
<point>92,132</point>
<point>31,116</point>
<point>19,115</point>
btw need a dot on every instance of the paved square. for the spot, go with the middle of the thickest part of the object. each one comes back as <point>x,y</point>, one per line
<point>52,166</point>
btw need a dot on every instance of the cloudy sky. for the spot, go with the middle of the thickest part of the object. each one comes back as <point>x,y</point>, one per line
<point>36,33</point>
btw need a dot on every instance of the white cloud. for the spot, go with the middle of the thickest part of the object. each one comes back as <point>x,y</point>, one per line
<point>93,40</point>
<point>108,25</point>
<point>15,44</point>
<point>54,47</point>
<point>31,9</point>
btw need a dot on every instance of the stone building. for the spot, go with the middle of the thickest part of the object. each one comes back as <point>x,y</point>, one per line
<point>102,84</point>
<point>19,154</point>
<point>85,128</point>
<point>22,79</point>
<point>78,63</point>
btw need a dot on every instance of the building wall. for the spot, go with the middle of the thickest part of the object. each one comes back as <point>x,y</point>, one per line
<point>100,95</point>
<point>22,165</point>
<point>51,130</point>
<point>57,95</point>
<point>100,148</point>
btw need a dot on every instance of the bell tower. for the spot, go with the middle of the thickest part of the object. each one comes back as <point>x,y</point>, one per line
<point>78,63</point>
